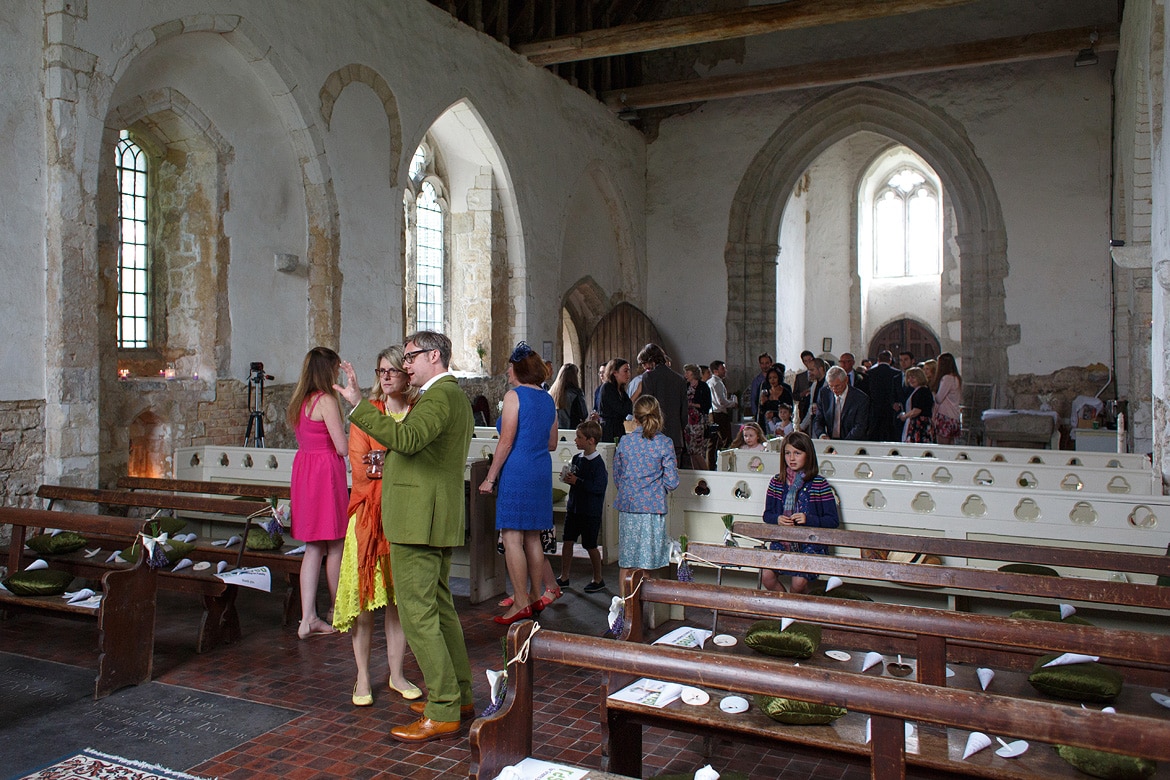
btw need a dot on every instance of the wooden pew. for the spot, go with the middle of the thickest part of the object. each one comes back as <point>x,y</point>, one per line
<point>240,489</point>
<point>127,610</point>
<point>946,452</point>
<point>505,738</point>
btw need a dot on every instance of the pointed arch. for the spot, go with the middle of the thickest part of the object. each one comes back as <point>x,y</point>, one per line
<point>757,211</point>
<point>622,332</point>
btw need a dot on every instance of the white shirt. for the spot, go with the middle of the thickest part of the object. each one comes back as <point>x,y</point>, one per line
<point>720,400</point>
<point>432,380</point>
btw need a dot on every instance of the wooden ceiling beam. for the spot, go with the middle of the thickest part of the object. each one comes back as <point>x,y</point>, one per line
<point>718,26</point>
<point>1046,45</point>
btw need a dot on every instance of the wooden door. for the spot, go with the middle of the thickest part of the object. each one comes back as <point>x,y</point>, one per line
<point>620,333</point>
<point>905,335</point>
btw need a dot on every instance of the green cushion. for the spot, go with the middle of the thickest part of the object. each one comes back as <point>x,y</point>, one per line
<point>799,640</point>
<point>798,713</point>
<point>42,582</point>
<point>818,589</point>
<point>559,495</point>
<point>170,525</point>
<point>1030,568</point>
<point>174,549</point>
<point>64,542</point>
<point>1088,681</point>
<point>1050,615</point>
<point>259,539</point>
<point>1111,766</point>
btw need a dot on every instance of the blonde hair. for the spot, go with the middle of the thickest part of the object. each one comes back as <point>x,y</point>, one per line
<point>760,435</point>
<point>393,355</point>
<point>648,414</point>
<point>318,374</point>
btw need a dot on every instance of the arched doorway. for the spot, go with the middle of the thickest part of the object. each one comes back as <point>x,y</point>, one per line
<point>620,333</point>
<point>905,335</point>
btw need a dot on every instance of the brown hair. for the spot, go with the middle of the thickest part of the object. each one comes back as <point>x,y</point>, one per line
<point>946,365</point>
<point>917,373</point>
<point>801,442</point>
<point>568,378</point>
<point>761,437</point>
<point>529,370</point>
<point>648,414</point>
<point>318,375</point>
<point>590,429</point>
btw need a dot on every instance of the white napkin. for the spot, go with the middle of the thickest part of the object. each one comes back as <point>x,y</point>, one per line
<point>55,531</point>
<point>78,595</point>
<point>93,552</point>
<point>707,773</point>
<point>1071,658</point>
<point>871,658</point>
<point>617,606</point>
<point>294,551</point>
<point>1067,611</point>
<point>183,564</point>
<point>985,676</point>
<point>116,555</point>
<point>785,623</point>
<point>39,563</point>
<point>833,582</point>
<point>187,537</point>
<point>496,683</point>
<point>976,741</point>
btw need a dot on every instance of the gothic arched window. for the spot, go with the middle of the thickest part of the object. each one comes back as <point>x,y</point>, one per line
<point>426,243</point>
<point>906,226</point>
<point>134,299</point>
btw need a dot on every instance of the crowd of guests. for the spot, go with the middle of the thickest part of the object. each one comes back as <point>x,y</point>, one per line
<point>388,544</point>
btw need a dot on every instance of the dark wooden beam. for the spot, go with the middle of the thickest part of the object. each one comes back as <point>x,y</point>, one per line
<point>867,68</point>
<point>718,26</point>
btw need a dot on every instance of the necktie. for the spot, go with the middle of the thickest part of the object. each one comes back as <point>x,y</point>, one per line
<point>838,402</point>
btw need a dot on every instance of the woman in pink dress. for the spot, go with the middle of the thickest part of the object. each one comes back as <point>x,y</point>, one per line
<point>319,492</point>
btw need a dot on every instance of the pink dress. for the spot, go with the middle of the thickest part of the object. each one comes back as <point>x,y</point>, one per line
<point>319,492</point>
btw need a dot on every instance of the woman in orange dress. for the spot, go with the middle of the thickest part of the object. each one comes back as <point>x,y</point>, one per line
<point>366,582</point>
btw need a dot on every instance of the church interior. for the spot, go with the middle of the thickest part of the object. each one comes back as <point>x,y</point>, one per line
<point>200,191</point>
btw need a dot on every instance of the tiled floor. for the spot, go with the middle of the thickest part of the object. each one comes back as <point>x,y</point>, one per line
<point>335,739</point>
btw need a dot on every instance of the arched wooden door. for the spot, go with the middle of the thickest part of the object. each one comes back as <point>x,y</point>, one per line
<point>903,335</point>
<point>620,333</point>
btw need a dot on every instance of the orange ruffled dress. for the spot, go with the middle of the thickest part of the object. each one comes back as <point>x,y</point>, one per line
<point>366,582</point>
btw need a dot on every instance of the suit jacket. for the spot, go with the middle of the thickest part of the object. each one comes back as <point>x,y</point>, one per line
<point>854,416</point>
<point>422,484</point>
<point>671,391</point>
<point>885,390</point>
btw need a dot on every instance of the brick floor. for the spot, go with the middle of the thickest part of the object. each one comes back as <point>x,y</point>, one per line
<point>334,739</point>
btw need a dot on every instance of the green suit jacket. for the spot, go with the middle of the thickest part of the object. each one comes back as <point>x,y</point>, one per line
<point>422,486</point>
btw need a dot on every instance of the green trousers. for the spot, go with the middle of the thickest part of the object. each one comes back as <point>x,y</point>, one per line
<point>431,625</point>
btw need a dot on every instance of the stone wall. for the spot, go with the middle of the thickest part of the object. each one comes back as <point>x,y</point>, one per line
<point>1058,389</point>
<point>22,449</point>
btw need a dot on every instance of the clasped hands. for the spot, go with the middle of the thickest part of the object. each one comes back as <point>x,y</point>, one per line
<point>796,518</point>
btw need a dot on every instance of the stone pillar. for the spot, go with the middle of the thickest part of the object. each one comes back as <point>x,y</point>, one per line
<point>471,296</point>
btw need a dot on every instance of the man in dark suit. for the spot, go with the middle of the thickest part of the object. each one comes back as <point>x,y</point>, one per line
<point>669,388</point>
<point>884,390</point>
<point>857,376</point>
<point>842,411</point>
<point>422,513</point>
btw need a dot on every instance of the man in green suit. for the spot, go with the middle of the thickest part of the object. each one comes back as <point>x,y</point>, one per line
<point>422,511</point>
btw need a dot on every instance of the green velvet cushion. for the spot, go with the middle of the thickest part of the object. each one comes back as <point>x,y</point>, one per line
<point>169,525</point>
<point>64,542</point>
<point>1030,568</point>
<point>174,549</point>
<point>798,713</point>
<point>42,582</point>
<point>1111,766</point>
<point>799,640</point>
<point>259,539</point>
<point>818,589</point>
<point>559,495</point>
<point>1088,681</point>
<point>1050,615</point>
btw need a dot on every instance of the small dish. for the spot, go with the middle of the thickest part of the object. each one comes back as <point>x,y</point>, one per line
<point>733,704</point>
<point>838,655</point>
<point>695,696</point>
<point>724,640</point>
<point>1012,749</point>
<point>202,566</point>
<point>1161,698</point>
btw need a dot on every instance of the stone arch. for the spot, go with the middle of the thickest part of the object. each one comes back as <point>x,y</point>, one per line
<point>341,78</point>
<point>758,206</point>
<point>584,304</point>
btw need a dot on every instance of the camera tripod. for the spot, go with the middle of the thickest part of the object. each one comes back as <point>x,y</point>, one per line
<point>254,434</point>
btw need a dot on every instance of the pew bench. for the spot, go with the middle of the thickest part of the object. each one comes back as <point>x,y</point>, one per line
<point>944,716</point>
<point>125,615</point>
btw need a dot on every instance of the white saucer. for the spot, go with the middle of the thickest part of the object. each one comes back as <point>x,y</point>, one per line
<point>1161,698</point>
<point>1013,749</point>
<point>695,696</point>
<point>733,704</point>
<point>838,655</point>
<point>950,672</point>
<point>724,640</point>
<point>201,566</point>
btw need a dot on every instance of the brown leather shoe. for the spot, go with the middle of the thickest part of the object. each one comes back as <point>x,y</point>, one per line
<point>466,711</point>
<point>425,729</point>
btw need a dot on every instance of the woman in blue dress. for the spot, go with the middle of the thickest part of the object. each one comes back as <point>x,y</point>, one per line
<point>523,474</point>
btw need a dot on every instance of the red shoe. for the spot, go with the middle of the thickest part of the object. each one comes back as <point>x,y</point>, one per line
<point>524,614</point>
<point>537,606</point>
<point>547,599</point>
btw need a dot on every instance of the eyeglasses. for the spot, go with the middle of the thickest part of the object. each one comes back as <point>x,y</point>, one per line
<point>409,357</point>
<point>386,372</point>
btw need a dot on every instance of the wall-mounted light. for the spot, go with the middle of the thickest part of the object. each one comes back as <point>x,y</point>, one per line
<point>285,263</point>
<point>1087,56</point>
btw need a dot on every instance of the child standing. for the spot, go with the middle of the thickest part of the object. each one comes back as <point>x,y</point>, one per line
<point>750,437</point>
<point>798,496</point>
<point>587,480</point>
<point>644,471</point>
<point>319,492</point>
<point>780,423</point>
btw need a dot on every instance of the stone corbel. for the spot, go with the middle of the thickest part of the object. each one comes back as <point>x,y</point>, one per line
<point>1134,256</point>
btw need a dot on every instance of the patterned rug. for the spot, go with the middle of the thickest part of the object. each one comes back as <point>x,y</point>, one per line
<point>90,764</point>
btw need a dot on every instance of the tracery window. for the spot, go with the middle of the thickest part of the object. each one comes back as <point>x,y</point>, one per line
<point>427,241</point>
<point>906,225</point>
<point>134,299</point>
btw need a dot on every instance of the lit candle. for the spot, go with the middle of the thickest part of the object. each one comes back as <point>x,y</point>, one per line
<point>123,373</point>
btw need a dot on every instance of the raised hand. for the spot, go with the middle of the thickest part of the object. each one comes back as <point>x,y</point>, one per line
<point>351,392</point>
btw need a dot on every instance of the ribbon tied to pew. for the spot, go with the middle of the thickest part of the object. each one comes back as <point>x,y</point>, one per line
<point>498,680</point>
<point>155,547</point>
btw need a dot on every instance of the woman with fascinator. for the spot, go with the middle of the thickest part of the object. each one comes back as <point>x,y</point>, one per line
<point>521,475</point>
